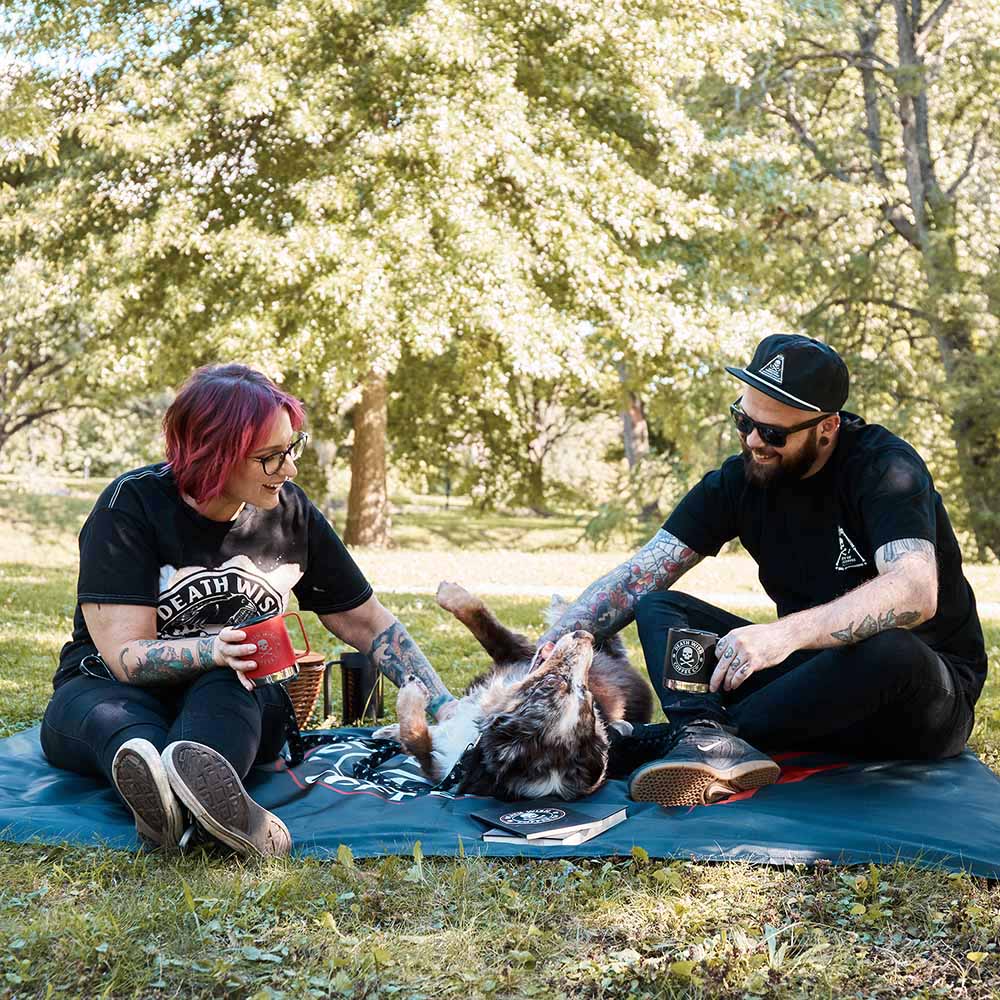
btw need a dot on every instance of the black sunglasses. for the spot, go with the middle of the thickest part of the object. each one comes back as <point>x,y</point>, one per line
<point>272,463</point>
<point>775,437</point>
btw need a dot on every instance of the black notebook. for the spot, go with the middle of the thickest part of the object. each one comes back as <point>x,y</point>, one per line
<point>537,818</point>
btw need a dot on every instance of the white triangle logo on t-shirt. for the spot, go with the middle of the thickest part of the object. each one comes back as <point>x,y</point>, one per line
<point>848,557</point>
<point>775,368</point>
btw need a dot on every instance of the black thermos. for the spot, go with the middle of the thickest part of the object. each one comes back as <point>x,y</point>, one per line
<point>361,688</point>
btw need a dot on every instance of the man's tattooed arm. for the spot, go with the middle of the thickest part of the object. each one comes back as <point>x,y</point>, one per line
<point>608,605</point>
<point>869,626</point>
<point>166,661</point>
<point>395,653</point>
<point>903,595</point>
<point>916,559</point>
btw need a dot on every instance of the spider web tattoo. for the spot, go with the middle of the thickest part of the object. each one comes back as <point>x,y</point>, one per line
<point>608,605</point>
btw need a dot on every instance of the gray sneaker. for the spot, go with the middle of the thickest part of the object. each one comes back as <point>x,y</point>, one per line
<point>141,781</point>
<point>211,789</point>
<point>705,764</point>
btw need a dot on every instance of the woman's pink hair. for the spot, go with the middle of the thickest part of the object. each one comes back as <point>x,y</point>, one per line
<point>218,417</point>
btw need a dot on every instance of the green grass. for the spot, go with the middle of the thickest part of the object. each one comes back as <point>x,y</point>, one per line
<point>97,922</point>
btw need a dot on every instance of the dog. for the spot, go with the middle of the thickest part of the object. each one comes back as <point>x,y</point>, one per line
<point>536,724</point>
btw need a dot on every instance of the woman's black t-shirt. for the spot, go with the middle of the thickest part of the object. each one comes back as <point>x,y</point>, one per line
<point>815,539</point>
<point>142,544</point>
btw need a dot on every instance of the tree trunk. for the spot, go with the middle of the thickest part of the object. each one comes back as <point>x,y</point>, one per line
<point>536,488</point>
<point>977,444</point>
<point>368,521</point>
<point>635,430</point>
<point>934,216</point>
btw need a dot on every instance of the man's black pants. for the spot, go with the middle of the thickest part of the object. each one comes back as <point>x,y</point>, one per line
<point>89,718</point>
<point>888,696</point>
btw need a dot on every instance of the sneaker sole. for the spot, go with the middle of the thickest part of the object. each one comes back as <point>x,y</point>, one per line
<point>211,789</point>
<point>142,782</point>
<point>694,784</point>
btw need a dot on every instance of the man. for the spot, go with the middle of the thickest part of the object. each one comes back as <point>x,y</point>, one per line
<point>877,650</point>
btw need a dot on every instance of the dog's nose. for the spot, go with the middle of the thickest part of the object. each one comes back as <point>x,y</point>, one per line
<point>582,634</point>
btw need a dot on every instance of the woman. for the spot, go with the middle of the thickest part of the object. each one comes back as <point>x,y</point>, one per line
<point>150,692</point>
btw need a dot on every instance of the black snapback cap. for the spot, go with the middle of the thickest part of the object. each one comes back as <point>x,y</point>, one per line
<point>797,371</point>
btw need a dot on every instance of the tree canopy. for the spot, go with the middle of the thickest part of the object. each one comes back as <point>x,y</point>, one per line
<point>495,216</point>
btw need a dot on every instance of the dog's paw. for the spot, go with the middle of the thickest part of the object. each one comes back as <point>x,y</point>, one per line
<point>455,598</point>
<point>413,694</point>
<point>387,733</point>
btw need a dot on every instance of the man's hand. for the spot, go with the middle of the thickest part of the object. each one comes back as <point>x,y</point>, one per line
<point>748,649</point>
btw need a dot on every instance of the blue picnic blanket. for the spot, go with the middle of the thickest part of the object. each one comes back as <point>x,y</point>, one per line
<point>940,814</point>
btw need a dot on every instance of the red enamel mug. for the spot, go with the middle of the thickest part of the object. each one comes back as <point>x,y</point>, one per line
<point>275,657</point>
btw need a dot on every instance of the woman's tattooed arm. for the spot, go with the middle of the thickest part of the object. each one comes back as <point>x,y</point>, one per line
<point>608,605</point>
<point>166,661</point>
<point>395,653</point>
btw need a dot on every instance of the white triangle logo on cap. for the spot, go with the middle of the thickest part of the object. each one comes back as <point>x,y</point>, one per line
<point>775,368</point>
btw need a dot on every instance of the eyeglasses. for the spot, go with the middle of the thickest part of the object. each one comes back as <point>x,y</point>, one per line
<point>271,464</point>
<point>775,437</point>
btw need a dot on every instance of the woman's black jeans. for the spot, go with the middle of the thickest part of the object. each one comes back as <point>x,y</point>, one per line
<point>89,718</point>
<point>887,696</point>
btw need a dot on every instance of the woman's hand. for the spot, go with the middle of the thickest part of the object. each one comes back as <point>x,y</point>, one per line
<point>229,650</point>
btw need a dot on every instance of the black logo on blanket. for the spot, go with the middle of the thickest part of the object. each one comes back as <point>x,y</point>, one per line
<point>209,599</point>
<point>332,766</point>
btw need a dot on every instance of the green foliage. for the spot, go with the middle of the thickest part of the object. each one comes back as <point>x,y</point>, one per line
<point>497,205</point>
<point>321,189</point>
<point>892,268</point>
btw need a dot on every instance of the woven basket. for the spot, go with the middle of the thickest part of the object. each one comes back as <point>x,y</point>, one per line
<point>305,689</point>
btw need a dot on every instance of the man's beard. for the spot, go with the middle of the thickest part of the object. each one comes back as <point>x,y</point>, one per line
<point>786,469</point>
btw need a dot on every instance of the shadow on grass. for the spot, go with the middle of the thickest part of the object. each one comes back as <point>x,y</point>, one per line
<point>45,517</point>
<point>472,530</point>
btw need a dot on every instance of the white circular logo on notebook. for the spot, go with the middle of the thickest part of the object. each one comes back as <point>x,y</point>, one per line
<point>533,817</point>
<point>687,657</point>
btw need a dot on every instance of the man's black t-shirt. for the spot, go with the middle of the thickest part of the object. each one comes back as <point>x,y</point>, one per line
<point>815,539</point>
<point>142,544</point>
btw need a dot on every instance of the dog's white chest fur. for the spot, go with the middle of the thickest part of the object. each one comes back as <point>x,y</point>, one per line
<point>451,737</point>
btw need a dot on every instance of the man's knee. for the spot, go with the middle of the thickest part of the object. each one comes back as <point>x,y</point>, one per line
<point>897,650</point>
<point>902,666</point>
<point>661,609</point>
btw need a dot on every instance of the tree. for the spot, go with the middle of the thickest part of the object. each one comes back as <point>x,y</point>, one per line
<point>47,341</point>
<point>324,189</point>
<point>883,217</point>
<point>466,415</point>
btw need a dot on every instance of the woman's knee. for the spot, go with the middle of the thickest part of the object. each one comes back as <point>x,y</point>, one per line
<point>88,703</point>
<point>220,686</point>
<point>86,715</point>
